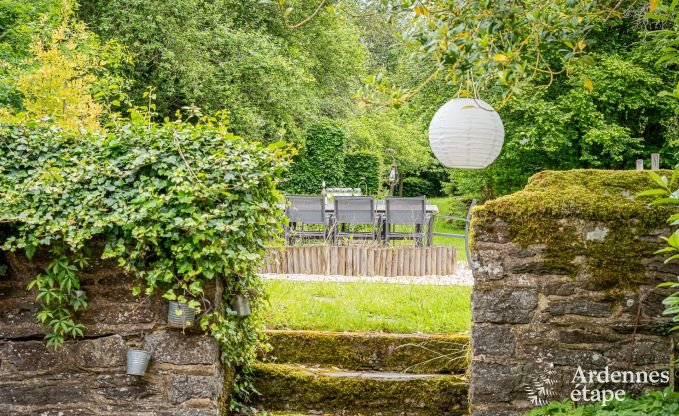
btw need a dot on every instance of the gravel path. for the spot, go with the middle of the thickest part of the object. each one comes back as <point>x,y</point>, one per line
<point>462,277</point>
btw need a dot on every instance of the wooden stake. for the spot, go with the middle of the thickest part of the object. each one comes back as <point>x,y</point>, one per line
<point>655,161</point>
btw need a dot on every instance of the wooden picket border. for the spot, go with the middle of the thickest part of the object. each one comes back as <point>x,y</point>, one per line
<point>361,260</point>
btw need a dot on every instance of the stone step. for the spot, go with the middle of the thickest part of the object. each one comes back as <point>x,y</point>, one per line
<point>371,351</point>
<point>295,388</point>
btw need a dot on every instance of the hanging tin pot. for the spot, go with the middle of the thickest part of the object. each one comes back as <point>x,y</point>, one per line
<point>137,361</point>
<point>241,305</point>
<point>180,315</point>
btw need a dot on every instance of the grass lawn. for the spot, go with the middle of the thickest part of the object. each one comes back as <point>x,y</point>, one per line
<point>440,226</point>
<point>367,307</point>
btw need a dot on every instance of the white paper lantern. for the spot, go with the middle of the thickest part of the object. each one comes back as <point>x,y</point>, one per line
<point>466,133</point>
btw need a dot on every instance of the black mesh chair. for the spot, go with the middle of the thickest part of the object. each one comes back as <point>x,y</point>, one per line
<point>305,210</point>
<point>354,211</point>
<point>410,214</point>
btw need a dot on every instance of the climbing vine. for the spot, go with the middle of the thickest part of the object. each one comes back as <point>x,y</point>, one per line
<point>180,205</point>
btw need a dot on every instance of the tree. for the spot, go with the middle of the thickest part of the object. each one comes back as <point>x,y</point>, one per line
<point>233,55</point>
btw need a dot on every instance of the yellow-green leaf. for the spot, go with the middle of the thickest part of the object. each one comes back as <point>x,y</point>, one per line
<point>588,84</point>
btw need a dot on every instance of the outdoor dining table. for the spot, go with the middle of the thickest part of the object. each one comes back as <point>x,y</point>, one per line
<point>380,207</point>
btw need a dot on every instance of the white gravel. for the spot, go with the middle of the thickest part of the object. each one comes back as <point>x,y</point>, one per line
<point>462,277</point>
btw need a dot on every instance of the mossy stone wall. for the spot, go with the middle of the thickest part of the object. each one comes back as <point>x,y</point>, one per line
<point>88,376</point>
<point>566,275</point>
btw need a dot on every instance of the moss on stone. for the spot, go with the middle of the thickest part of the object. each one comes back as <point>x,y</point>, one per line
<point>376,352</point>
<point>287,387</point>
<point>557,209</point>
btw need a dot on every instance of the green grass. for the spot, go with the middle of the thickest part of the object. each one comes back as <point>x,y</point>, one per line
<point>445,206</point>
<point>365,306</point>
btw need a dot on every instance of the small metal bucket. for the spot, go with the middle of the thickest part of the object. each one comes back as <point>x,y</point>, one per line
<point>179,315</point>
<point>137,361</point>
<point>241,305</point>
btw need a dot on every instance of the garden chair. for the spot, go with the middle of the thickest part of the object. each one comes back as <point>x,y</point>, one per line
<point>305,210</point>
<point>354,211</point>
<point>411,213</point>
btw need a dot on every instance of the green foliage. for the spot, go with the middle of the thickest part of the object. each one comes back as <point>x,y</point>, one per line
<point>180,205</point>
<point>566,126</point>
<point>508,43</point>
<point>414,186</point>
<point>657,403</point>
<point>376,130</point>
<point>234,55</point>
<point>363,170</point>
<point>20,22</point>
<point>320,160</point>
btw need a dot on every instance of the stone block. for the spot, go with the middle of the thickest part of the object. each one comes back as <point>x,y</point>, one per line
<point>578,336</point>
<point>42,394</point>
<point>29,356</point>
<point>504,305</point>
<point>185,387</point>
<point>122,389</point>
<point>539,268</point>
<point>495,383</point>
<point>580,307</point>
<point>559,289</point>
<point>180,349</point>
<point>642,353</point>
<point>493,340</point>
<point>101,352</point>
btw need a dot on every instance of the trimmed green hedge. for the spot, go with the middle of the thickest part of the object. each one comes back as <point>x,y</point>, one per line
<point>359,165</point>
<point>319,160</point>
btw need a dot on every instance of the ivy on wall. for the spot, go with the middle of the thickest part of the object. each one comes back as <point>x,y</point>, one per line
<point>178,204</point>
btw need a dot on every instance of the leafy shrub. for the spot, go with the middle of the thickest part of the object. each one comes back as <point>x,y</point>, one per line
<point>359,165</point>
<point>179,205</point>
<point>657,403</point>
<point>414,186</point>
<point>319,160</point>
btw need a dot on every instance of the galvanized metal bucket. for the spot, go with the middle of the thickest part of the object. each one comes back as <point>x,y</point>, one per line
<point>137,361</point>
<point>179,315</point>
<point>241,305</point>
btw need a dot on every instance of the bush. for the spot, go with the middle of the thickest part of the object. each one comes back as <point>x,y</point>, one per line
<point>320,160</point>
<point>359,165</point>
<point>657,403</point>
<point>414,186</point>
<point>179,205</point>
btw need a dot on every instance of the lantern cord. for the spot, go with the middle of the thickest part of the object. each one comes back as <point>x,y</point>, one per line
<point>476,94</point>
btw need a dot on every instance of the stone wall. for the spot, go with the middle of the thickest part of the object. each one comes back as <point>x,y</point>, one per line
<point>566,277</point>
<point>88,377</point>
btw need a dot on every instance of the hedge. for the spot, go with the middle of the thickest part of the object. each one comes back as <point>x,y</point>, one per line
<point>414,186</point>
<point>318,160</point>
<point>359,165</point>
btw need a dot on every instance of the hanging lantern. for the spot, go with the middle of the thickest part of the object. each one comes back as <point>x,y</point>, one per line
<point>466,133</point>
